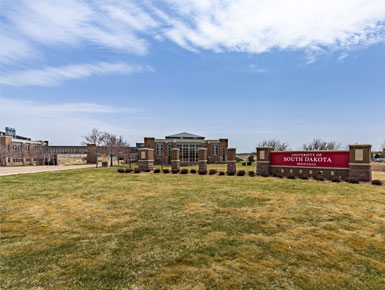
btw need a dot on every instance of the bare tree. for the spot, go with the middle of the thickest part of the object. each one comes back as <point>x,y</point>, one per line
<point>383,146</point>
<point>98,138</point>
<point>318,144</point>
<point>121,149</point>
<point>109,144</point>
<point>115,146</point>
<point>94,137</point>
<point>276,144</point>
<point>5,153</point>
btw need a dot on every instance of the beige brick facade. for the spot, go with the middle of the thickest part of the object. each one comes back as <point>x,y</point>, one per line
<point>189,145</point>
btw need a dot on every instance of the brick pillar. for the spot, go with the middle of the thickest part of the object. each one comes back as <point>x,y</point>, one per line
<point>175,160</point>
<point>92,156</point>
<point>263,160</point>
<point>146,159</point>
<point>202,160</point>
<point>359,162</point>
<point>231,161</point>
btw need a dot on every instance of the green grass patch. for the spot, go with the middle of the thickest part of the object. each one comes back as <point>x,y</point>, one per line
<point>98,229</point>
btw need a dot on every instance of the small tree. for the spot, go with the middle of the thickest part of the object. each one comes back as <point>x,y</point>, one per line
<point>4,154</point>
<point>276,144</point>
<point>318,144</point>
<point>251,158</point>
<point>95,137</point>
<point>121,149</point>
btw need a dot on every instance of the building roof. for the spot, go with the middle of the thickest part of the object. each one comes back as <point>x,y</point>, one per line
<point>184,135</point>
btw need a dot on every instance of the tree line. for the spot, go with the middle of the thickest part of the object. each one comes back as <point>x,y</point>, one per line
<point>316,144</point>
<point>109,144</point>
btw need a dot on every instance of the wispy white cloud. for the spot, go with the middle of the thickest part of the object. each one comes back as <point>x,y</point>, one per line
<point>51,76</point>
<point>107,24</point>
<point>255,69</point>
<point>343,56</point>
<point>265,25</point>
<point>128,26</point>
<point>72,119</point>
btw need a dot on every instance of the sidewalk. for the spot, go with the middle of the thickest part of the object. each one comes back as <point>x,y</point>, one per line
<point>33,169</point>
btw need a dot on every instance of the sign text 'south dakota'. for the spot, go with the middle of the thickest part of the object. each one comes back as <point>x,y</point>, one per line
<point>311,159</point>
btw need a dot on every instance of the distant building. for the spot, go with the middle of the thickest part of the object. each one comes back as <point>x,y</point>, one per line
<point>189,145</point>
<point>19,150</point>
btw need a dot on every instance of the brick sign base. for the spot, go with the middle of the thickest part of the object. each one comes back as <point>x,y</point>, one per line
<point>344,165</point>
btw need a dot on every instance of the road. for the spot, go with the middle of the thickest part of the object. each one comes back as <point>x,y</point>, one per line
<point>33,169</point>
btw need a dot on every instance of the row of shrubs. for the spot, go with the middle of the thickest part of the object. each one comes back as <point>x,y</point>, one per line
<point>247,163</point>
<point>186,171</point>
<point>241,173</point>
<point>333,179</point>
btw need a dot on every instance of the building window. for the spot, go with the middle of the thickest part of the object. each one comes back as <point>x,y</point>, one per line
<point>159,149</point>
<point>214,149</point>
<point>27,146</point>
<point>17,146</point>
<point>188,152</point>
<point>224,153</point>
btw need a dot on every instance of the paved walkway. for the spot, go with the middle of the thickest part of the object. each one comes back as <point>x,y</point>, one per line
<point>33,169</point>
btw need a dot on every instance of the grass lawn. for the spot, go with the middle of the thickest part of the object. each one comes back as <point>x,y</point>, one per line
<point>98,229</point>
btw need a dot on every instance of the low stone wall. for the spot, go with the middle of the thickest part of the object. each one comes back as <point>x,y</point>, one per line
<point>326,173</point>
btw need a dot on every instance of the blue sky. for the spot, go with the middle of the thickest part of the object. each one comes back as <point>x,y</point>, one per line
<point>243,70</point>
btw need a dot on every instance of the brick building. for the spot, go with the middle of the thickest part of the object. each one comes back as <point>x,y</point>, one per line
<point>19,150</point>
<point>189,145</point>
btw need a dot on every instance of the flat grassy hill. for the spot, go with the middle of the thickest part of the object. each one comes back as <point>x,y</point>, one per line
<point>99,229</point>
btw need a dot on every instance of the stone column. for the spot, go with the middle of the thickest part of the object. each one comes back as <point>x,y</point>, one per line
<point>146,159</point>
<point>202,160</point>
<point>263,160</point>
<point>231,161</point>
<point>359,162</point>
<point>92,156</point>
<point>175,160</point>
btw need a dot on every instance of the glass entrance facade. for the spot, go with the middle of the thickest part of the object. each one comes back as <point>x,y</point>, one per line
<point>189,152</point>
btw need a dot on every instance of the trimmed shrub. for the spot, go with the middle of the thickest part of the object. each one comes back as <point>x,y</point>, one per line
<point>241,173</point>
<point>212,171</point>
<point>336,179</point>
<point>264,175</point>
<point>304,177</point>
<point>184,171</point>
<point>230,173</point>
<point>157,170</point>
<point>320,178</point>
<point>193,171</point>
<point>121,170</point>
<point>279,176</point>
<point>136,170</point>
<point>147,170</point>
<point>203,172</point>
<point>221,173</point>
<point>129,170</point>
<point>174,171</point>
<point>249,163</point>
<point>251,173</point>
<point>166,171</point>
<point>353,180</point>
<point>243,163</point>
<point>377,182</point>
<point>290,177</point>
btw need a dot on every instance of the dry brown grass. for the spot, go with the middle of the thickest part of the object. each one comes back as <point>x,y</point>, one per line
<point>378,166</point>
<point>97,229</point>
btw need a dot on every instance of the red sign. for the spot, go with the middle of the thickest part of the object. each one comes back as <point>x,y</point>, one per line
<point>311,159</point>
